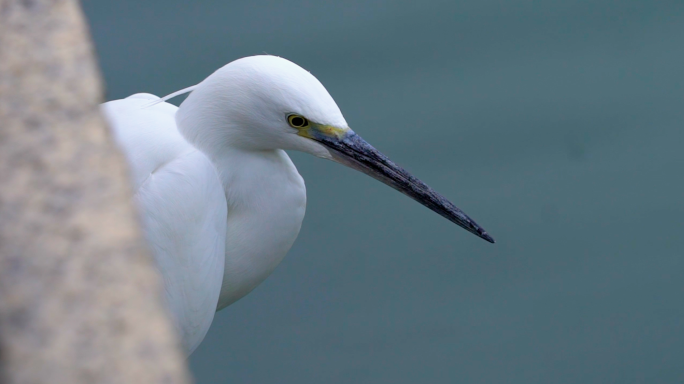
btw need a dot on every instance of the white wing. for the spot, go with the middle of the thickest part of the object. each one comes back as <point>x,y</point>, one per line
<point>182,206</point>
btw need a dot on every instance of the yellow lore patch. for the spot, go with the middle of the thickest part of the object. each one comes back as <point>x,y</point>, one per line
<point>313,130</point>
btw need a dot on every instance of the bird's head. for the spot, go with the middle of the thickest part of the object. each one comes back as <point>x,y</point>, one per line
<point>267,102</point>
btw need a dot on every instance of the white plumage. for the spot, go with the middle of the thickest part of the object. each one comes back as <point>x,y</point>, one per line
<point>221,202</point>
<point>182,206</point>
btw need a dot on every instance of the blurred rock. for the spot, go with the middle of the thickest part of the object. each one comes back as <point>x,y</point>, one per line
<point>80,301</point>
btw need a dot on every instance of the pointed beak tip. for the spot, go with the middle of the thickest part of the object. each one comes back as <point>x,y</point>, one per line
<point>486,236</point>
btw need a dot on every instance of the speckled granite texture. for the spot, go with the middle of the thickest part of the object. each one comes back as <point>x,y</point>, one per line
<point>80,301</point>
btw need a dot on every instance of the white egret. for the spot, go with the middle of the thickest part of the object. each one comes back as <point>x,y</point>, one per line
<point>221,202</point>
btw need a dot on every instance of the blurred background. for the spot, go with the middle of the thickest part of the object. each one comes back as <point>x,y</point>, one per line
<point>557,125</point>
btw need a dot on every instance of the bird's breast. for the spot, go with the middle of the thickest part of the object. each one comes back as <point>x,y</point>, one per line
<point>266,206</point>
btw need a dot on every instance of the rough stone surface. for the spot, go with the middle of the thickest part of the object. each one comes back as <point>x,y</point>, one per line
<point>80,301</point>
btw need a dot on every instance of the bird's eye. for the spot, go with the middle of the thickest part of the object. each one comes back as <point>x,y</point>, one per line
<point>297,121</point>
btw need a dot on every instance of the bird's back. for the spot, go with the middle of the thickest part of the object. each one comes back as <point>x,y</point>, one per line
<point>182,206</point>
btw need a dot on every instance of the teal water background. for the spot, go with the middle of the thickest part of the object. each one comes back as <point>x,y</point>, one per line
<point>557,125</point>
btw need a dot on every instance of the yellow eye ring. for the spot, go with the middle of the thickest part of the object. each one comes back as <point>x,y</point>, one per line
<point>297,121</point>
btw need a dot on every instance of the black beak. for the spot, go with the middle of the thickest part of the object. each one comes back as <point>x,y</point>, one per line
<point>354,152</point>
